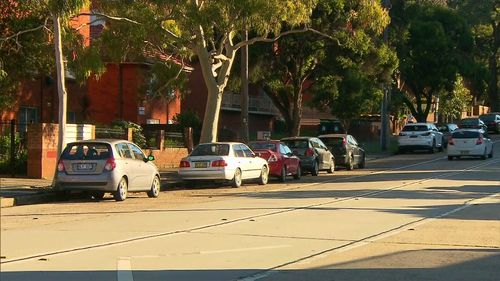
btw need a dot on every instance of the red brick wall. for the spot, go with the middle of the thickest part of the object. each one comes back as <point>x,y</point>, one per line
<point>42,150</point>
<point>168,158</point>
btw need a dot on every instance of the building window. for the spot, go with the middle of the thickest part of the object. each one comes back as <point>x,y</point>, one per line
<point>27,115</point>
<point>71,117</point>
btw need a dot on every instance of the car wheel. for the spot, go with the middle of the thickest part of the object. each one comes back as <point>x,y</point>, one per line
<point>350,163</point>
<point>97,195</point>
<point>283,174</point>
<point>63,195</point>
<point>315,169</point>
<point>441,147</point>
<point>450,158</point>
<point>433,147</point>
<point>332,167</point>
<point>298,174</point>
<point>491,153</point>
<point>154,192</point>
<point>484,156</point>
<point>362,164</point>
<point>121,191</point>
<point>237,178</point>
<point>264,176</point>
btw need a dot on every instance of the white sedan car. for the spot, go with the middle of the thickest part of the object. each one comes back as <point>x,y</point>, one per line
<point>230,161</point>
<point>418,136</point>
<point>470,142</point>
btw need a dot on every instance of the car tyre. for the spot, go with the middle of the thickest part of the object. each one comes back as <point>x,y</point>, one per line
<point>154,192</point>
<point>282,177</point>
<point>362,164</point>
<point>484,156</point>
<point>298,174</point>
<point>315,169</point>
<point>441,147</point>
<point>350,163</point>
<point>491,153</point>
<point>450,158</point>
<point>432,150</point>
<point>121,191</point>
<point>97,195</point>
<point>332,167</point>
<point>264,175</point>
<point>236,182</point>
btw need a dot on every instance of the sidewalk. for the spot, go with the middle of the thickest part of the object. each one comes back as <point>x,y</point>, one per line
<point>23,191</point>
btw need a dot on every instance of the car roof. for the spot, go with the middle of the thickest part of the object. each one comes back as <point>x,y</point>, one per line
<point>297,138</point>
<point>469,130</point>
<point>333,136</point>
<point>418,124</point>
<point>229,142</point>
<point>108,141</point>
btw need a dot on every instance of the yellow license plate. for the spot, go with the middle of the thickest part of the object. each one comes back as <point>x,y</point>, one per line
<point>200,164</point>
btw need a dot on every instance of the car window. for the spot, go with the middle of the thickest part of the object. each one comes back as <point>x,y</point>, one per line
<point>282,149</point>
<point>211,149</point>
<point>466,135</point>
<point>123,150</point>
<point>488,117</point>
<point>293,144</point>
<point>353,141</point>
<point>248,152</point>
<point>137,152</point>
<point>415,128</point>
<point>315,143</point>
<point>86,151</point>
<point>321,144</point>
<point>287,149</point>
<point>331,142</point>
<point>262,145</point>
<point>238,151</point>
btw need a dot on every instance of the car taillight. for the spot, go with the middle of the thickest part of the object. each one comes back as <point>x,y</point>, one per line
<point>60,166</point>
<point>344,142</point>
<point>309,152</point>
<point>110,164</point>
<point>451,142</point>
<point>272,158</point>
<point>219,163</point>
<point>479,141</point>
<point>184,164</point>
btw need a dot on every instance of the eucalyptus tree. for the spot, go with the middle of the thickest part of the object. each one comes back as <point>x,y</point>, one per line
<point>314,63</point>
<point>209,29</point>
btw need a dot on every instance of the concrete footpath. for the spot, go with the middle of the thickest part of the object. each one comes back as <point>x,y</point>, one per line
<point>24,191</point>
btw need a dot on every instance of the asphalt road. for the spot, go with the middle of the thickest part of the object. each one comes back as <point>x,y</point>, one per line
<point>405,217</point>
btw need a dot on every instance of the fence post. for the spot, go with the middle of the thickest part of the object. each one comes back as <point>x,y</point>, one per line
<point>160,139</point>
<point>188,138</point>
<point>129,134</point>
<point>12,146</point>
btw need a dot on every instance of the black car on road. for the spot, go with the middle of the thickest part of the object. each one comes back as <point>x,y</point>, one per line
<point>492,121</point>
<point>313,153</point>
<point>345,148</point>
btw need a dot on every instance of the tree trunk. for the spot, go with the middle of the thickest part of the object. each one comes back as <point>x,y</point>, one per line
<point>61,89</point>
<point>493,95</point>
<point>244,91</point>
<point>297,112</point>
<point>211,118</point>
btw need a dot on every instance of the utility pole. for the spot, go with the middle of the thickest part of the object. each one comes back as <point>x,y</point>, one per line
<point>244,90</point>
<point>384,118</point>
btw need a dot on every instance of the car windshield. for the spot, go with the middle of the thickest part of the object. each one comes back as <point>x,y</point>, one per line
<point>415,128</point>
<point>466,135</point>
<point>333,141</point>
<point>297,143</point>
<point>262,145</point>
<point>469,122</point>
<point>211,149</point>
<point>488,117</point>
<point>86,151</point>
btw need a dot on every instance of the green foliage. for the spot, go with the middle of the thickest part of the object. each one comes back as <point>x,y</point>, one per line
<point>20,152</point>
<point>188,119</point>
<point>137,135</point>
<point>453,103</point>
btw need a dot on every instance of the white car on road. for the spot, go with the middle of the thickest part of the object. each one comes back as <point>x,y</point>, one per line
<point>470,142</point>
<point>230,161</point>
<point>420,136</point>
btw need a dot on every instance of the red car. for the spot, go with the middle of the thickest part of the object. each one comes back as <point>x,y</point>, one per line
<point>282,162</point>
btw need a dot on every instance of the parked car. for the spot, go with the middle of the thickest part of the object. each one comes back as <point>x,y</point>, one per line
<point>313,153</point>
<point>470,142</point>
<point>447,130</point>
<point>492,121</point>
<point>345,149</point>
<point>101,166</point>
<point>418,136</point>
<point>282,162</point>
<point>330,126</point>
<point>472,123</point>
<point>229,161</point>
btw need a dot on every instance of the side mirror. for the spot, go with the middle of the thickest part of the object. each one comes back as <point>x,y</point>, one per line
<point>149,158</point>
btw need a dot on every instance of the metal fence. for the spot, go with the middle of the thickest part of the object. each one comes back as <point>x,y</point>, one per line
<point>159,136</point>
<point>110,133</point>
<point>13,148</point>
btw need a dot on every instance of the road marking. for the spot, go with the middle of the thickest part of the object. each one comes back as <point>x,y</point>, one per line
<point>124,269</point>
<point>245,249</point>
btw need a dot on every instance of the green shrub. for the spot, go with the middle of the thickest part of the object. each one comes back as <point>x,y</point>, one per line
<point>137,135</point>
<point>20,152</point>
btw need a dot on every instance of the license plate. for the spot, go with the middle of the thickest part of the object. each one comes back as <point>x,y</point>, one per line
<point>464,152</point>
<point>84,166</point>
<point>200,164</point>
<point>413,136</point>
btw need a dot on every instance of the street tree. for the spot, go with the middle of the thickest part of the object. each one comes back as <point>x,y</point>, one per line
<point>209,30</point>
<point>434,44</point>
<point>453,103</point>
<point>308,62</point>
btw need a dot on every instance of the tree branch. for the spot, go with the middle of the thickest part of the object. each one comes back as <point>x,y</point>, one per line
<point>16,36</point>
<point>109,17</point>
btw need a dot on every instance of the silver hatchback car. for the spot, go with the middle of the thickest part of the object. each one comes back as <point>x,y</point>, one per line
<point>99,166</point>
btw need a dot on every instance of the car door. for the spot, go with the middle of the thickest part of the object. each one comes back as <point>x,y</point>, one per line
<point>140,171</point>
<point>285,158</point>
<point>241,160</point>
<point>324,154</point>
<point>488,142</point>
<point>293,161</point>
<point>253,165</point>
<point>438,136</point>
<point>355,148</point>
<point>124,160</point>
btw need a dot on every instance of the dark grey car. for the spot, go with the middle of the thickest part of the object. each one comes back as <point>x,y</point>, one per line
<point>99,166</point>
<point>313,153</point>
<point>345,148</point>
<point>447,130</point>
